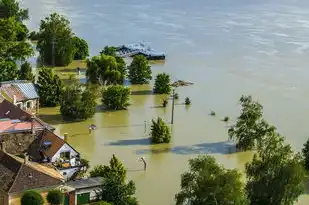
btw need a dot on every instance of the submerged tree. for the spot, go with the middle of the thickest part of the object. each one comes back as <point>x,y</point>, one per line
<point>160,132</point>
<point>250,127</point>
<point>116,97</point>
<point>115,168</point>
<point>162,84</point>
<point>50,88</point>
<point>26,72</point>
<point>78,104</point>
<point>105,70</point>
<point>81,50</point>
<point>140,70</point>
<point>55,40</point>
<point>211,184</point>
<point>276,174</point>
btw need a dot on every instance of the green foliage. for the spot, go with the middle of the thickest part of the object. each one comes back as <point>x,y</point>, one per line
<point>176,96</point>
<point>32,198</point>
<point>209,183</point>
<point>10,8</point>
<point>250,127</point>
<point>226,119</point>
<point>78,104</point>
<point>164,102</point>
<point>13,44</point>
<point>56,28</point>
<point>105,70</point>
<point>162,84</point>
<point>276,174</point>
<point>140,70</point>
<point>81,48</point>
<point>160,132</point>
<point>8,70</point>
<point>100,203</point>
<point>115,169</point>
<point>50,88</point>
<point>116,191</point>
<point>55,197</point>
<point>34,36</point>
<point>305,153</point>
<point>116,97</point>
<point>109,51</point>
<point>26,72</point>
<point>187,101</point>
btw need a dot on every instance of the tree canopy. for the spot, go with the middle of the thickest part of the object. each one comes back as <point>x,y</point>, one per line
<point>250,127</point>
<point>160,132</point>
<point>209,183</point>
<point>162,84</point>
<point>55,197</point>
<point>305,153</point>
<point>116,97</point>
<point>140,70</point>
<point>105,70</point>
<point>26,72</point>
<point>55,30</point>
<point>276,174</point>
<point>78,104</point>
<point>8,70</point>
<point>50,87</point>
<point>81,50</point>
<point>109,51</point>
<point>115,168</point>
<point>10,8</point>
<point>32,198</point>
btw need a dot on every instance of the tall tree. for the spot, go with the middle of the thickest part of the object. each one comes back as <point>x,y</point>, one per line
<point>78,104</point>
<point>50,88</point>
<point>105,70</point>
<point>162,84</point>
<point>305,152</point>
<point>115,168</point>
<point>140,70</point>
<point>209,183</point>
<point>116,97</point>
<point>276,174</point>
<point>26,72</point>
<point>81,50</point>
<point>55,40</point>
<point>109,51</point>
<point>250,126</point>
<point>10,8</point>
<point>160,132</point>
<point>8,70</point>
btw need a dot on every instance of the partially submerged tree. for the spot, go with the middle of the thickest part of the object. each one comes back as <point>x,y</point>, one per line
<point>109,51</point>
<point>78,104</point>
<point>26,72</point>
<point>250,127</point>
<point>116,97</point>
<point>50,87</point>
<point>32,198</point>
<point>305,153</point>
<point>56,35</point>
<point>115,168</point>
<point>116,191</point>
<point>276,174</point>
<point>209,183</point>
<point>162,84</point>
<point>140,70</point>
<point>160,132</point>
<point>55,197</point>
<point>81,50</point>
<point>105,70</point>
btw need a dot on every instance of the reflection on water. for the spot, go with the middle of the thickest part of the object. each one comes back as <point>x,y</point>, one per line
<point>227,48</point>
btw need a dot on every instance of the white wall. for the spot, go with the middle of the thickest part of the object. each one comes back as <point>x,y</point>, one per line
<point>69,172</point>
<point>64,148</point>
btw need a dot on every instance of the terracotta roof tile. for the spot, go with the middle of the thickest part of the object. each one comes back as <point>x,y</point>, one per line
<point>56,143</point>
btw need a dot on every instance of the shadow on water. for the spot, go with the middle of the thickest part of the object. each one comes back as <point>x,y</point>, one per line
<point>142,92</point>
<point>53,119</point>
<point>145,141</point>
<point>224,147</point>
<point>102,109</point>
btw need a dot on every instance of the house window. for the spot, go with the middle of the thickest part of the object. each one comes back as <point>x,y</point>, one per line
<point>65,155</point>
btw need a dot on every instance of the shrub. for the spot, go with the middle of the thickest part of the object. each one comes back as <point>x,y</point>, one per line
<point>162,84</point>
<point>187,101</point>
<point>116,97</point>
<point>160,132</point>
<point>55,197</point>
<point>32,198</point>
<point>140,70</point>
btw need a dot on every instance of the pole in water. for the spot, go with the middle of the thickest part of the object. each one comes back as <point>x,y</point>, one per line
<point>173,105</point>
<point>144,161</point>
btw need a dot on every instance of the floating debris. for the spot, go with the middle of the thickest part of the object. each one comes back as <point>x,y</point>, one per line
<point>179,83</point>
<point>212,113</point>
<point>187,101</point>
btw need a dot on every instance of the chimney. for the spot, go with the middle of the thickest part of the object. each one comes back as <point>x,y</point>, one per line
<point>65,137</point>
<point>32,124</point>
<point>26,159</point>
<point>2,146</point>
<point>14,99</point>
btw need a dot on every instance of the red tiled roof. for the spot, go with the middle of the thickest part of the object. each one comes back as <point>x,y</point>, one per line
<point>56,143</point>
<point>11,90</point>
<point>8,126</point>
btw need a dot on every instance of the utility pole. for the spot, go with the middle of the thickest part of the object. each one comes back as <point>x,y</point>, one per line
<point>173,105</point>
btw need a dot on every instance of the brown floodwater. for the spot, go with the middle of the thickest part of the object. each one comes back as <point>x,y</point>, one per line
<point>227,48</point>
